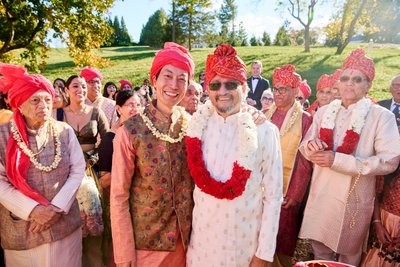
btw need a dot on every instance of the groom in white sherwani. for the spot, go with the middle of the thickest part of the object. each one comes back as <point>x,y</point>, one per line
<point>237,169</point>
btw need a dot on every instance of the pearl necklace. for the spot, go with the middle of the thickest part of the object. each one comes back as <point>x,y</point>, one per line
<point>166,137</point>
<point>32,156</point>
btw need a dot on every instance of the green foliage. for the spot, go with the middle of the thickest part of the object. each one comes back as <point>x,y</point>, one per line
<point>227,14</point>
<point>266,39</point>
<point>282,37</point>
<point>192,17</point>
<point>242,35</point>
<point>120,35</point>
<point>154,33</point>
<point>253,41</point>
<point>81,24</point>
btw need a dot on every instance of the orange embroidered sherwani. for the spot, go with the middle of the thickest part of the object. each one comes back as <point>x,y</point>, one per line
<point>151,191</point>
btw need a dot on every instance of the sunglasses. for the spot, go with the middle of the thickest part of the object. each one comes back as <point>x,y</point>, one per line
<point>355,79</point>
<point>267,98</point>
<point>281,91</point>
<point>230,86</point>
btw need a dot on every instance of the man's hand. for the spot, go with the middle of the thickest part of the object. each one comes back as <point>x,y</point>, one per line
<point>34,227</point>
<point>251,102</point>
<point>323,158</point>
<point>289,203</point>
<point>381,233</point>
<point>127,264</point>
<point>105,180</point>
<point>257,116</point>
<point>316,145</point>
<point>45,215</point>
<point>257,262</point>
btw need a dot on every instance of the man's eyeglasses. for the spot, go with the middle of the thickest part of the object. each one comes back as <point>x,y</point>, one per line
<point>230,86</point>
<point>267,98</point>
<point>281,91</point>
<point>355,79</point>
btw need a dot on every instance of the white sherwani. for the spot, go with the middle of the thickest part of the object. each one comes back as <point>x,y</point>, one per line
<point>231,232</point>
<point>326,217</point>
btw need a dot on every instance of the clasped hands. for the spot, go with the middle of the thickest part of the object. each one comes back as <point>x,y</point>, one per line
<point>43,217</point>
<point>318,154</point>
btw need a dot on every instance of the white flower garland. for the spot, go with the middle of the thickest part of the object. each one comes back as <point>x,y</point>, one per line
<point>176,114</point>
<point>32,156</point>
<point>247,133</point>
<point>357,119</point>
<point>287,123</point>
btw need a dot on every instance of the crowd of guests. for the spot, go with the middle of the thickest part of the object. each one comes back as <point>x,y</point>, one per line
<point>185,173</point>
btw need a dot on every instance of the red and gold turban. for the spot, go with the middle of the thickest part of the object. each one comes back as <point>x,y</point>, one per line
<point>226,63</point>
<point>335,76</point>
<point>325,81</point>
<point>124,82</point>
<point>357,60</point>
<point>20,86</point>
<point>175,55</point>
<point>305,89</point>
<point>287,76</point>
<point>89,73</point>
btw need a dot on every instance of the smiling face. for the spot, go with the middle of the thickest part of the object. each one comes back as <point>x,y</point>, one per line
<point>37,109</point>
<point>226,102</point>
<point>130,108</point>
<point>170,85</point>
<point>94,89</point>
<point>286,98</point>
<point>192,98</point>
<point>324,96</point>
<point>256,69</point>
<point>354,88</point>
<point>77,90</point>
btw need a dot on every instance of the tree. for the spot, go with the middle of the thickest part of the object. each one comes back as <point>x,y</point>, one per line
<point>266,39</point>
<point>82,25</point>
<point>242,35</point>
<point>125,37</point>
<point>253,41</point>
<point>296,9</point>
<point>282,38</point>
<point>154,33</point>
<point>227,14</point>
<point>192,17</point>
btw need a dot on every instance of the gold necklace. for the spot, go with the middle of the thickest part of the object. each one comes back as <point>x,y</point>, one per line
<point>292,119</point>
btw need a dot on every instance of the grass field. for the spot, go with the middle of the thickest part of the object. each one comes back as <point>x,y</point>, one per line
<point>133,63</point>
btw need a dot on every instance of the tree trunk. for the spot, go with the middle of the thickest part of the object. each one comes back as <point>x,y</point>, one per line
<point>190,31</point>
<point>173,21</point>
<point>343,43</point>
<point>307,38</point>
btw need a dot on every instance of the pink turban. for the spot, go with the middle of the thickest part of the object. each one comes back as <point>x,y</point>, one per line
<point>287,76</point>
<point>124,82</point>
<point>175,55</point>
<point>325,81</point>
<point>89,73</point>
<point>305,89</point>
<point>20,86</point>
<point>335,76</point>
<point>226,63</point>
<point>357,60</point>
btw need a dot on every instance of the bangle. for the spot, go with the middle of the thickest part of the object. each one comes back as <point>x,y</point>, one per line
<point>376,221</point>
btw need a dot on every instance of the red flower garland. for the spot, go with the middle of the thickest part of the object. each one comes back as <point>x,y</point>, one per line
<point>350,141</point>
<point>230,189</point>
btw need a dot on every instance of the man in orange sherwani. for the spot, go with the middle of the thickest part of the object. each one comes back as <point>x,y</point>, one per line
<point>151,189</point>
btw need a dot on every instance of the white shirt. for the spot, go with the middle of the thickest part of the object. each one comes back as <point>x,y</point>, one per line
<point>254,83</point>
<point>231,232</point>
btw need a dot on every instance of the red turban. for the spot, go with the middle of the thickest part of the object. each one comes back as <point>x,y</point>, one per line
<point>175,55</point>
<point>325,81</point>
<point>89,73</point>
<point>20,86</point>
<point>305,89</point>
<point>287,76</point>
<point>124,82</point>
<point>357,60</point>
<point>336,75</point>
<point>226,63</point>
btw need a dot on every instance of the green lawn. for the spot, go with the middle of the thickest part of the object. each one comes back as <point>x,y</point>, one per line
<point>133,63</point>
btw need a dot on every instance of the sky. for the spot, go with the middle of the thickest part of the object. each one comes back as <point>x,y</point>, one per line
<point>257,15</point>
